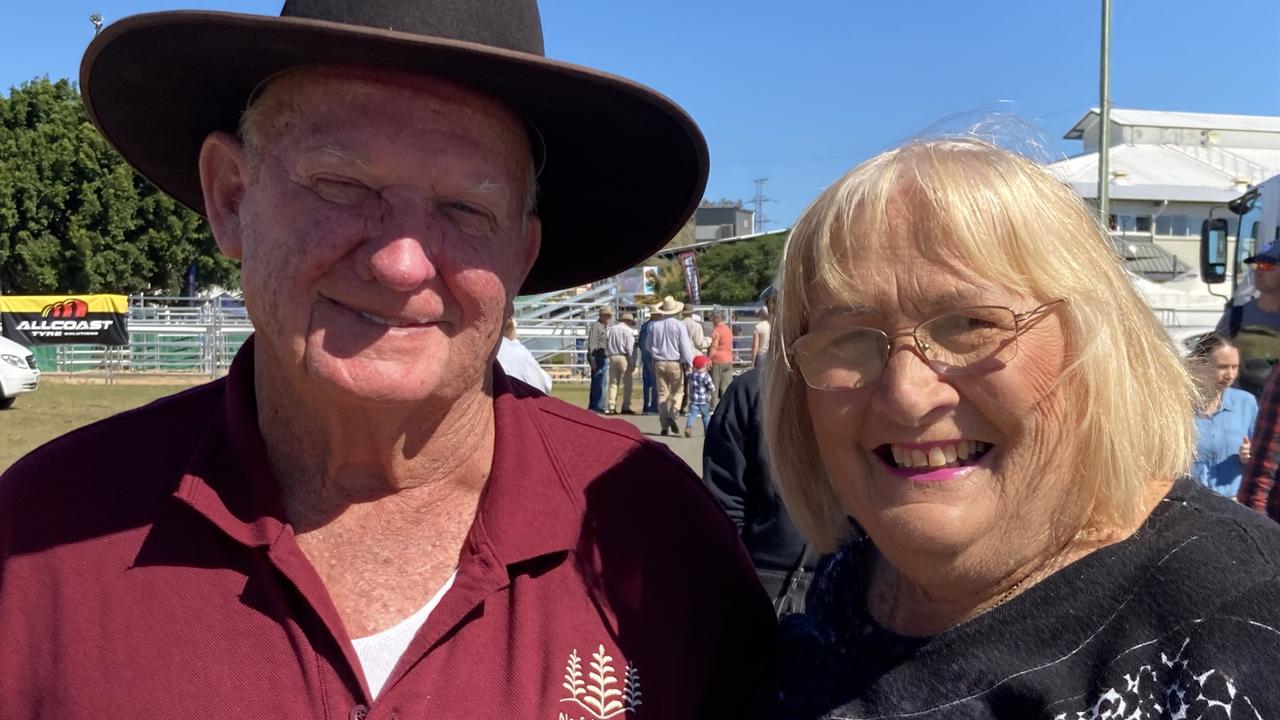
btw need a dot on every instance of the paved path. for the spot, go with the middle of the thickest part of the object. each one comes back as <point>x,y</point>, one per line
<point>689,449</point>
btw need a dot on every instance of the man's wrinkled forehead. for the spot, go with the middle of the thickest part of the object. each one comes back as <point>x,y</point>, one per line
<point>277,103</point>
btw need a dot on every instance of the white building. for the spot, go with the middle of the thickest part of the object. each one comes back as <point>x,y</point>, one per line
<point>1169,170</point>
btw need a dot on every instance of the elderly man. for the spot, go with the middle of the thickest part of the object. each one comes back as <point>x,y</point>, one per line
<point>673,352</point>
<point>621,347</point>
<point>366,519</point>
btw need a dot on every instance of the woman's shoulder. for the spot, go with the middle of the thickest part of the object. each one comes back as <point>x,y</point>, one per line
<point>1196,526</point>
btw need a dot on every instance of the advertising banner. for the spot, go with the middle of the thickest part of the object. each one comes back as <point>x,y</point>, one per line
<point>689,263</point>
<point>65,319</point>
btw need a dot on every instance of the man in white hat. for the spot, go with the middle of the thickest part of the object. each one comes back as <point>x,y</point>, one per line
<point>366,518</point>
<point>672,351</point>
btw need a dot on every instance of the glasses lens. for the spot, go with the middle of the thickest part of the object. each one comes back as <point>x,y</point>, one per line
<point>969,340</point>
<point>840,359</point>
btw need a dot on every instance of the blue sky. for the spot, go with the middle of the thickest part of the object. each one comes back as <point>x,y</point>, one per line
<point>800,91</point>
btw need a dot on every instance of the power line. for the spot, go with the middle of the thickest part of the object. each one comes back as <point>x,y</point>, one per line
<point>758,202</point>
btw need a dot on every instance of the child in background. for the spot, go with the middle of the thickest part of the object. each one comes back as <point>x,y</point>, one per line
<point>700,389</point>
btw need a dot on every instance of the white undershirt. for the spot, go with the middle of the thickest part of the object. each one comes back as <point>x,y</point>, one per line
<point>379,652</point>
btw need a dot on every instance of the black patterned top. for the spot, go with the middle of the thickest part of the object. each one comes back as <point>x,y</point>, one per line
<point>1181,620</point>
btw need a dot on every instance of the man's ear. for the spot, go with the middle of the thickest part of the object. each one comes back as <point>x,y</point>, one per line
<point>223,172</point>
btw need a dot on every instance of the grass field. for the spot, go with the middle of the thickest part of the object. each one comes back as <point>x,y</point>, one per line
<point>58,407</point>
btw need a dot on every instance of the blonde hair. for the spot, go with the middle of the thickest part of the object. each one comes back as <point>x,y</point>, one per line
<point>1002,218</point>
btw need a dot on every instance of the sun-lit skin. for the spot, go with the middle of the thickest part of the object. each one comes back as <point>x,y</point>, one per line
<point>392,206</point>
<point>383,237</point>
<point>959,542</point>
<point>1266,280</point>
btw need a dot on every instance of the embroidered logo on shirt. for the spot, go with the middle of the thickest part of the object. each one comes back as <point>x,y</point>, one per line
<point>594,693</point>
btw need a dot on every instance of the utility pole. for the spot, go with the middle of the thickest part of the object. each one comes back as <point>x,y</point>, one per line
<point>758,201</point>
<point>96,19</point>
<point>1104,139</point>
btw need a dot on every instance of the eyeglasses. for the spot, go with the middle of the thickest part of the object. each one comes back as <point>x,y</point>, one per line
<point>965,341</point>
<point>1264,266</point>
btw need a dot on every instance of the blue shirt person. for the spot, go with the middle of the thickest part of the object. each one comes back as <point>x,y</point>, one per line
<point>1218,465</point>
<point>1225,420</point>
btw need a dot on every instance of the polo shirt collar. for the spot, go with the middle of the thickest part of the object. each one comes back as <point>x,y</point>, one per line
<point>529,507</point>
<point>229,479</point>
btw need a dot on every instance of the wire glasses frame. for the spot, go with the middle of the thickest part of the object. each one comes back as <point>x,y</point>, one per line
<point>959,342</point>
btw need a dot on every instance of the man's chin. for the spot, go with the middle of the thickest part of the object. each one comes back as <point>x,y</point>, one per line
<point>378,381</point>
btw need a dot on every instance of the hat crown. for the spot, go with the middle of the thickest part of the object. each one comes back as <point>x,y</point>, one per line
<point>508,24</point>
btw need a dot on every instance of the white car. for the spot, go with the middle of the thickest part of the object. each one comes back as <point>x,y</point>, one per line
<point>18,372</point>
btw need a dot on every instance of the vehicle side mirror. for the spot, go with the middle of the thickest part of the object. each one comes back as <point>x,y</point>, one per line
<point>1213,250</point>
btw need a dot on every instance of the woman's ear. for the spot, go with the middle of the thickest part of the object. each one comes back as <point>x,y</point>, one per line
<point>222,178</point>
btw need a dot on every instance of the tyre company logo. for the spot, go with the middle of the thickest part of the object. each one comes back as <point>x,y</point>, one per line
<point>593,693</point>
<point>66,319</point>
<point>72,308</point>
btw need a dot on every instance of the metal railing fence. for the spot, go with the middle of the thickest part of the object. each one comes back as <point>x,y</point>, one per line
<point>200,336</point>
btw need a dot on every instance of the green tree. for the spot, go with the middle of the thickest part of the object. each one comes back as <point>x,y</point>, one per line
<point>74,217</point>
<point>729,274</point>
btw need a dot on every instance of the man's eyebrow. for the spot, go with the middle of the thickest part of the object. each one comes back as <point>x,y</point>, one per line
<point>334,151</point>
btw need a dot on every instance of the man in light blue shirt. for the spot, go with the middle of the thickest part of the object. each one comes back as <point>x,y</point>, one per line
<point>672,351</point>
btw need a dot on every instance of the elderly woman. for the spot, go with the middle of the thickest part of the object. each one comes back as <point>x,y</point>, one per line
<point>972,410</point>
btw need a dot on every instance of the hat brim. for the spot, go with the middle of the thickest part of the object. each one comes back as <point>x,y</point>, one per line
<point>157,84</point>
<point>1260,258</point>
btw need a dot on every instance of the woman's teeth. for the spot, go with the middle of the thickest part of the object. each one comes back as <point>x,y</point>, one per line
<point>937,456</point>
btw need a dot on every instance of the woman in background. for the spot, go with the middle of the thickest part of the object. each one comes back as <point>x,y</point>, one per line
<point>1225,418</point>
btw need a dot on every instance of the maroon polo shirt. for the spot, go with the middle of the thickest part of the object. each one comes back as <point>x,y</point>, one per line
<point>147,571</point>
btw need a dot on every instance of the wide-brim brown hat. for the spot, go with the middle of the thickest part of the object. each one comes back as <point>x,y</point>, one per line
<point>157,84</point>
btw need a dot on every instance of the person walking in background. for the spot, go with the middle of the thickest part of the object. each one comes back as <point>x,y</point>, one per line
<point>598,358</point>
<point>700,388</point>
<point>698,337</point>
<point>621,347</point>
<point>649,381</point>
<point>1264,454</point>
<point>672,351</point>
<point>1254,327</point>
<point>1225,418</point>
<point>517,362</point>
<point>721,355</point>
<point>760,337</point>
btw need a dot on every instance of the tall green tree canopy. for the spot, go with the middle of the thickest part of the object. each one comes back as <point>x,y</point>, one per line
<point>730,274</point>
<point>74,217</point>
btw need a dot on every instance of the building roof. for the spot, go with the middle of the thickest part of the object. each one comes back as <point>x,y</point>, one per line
<point>1148,260</point>
<point>1162,118</point>
<point>673,250</point>
<point>1159,172</point>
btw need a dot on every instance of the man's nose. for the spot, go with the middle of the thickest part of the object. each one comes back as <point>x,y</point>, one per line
<point>400,263</point>
<point>400,253</point>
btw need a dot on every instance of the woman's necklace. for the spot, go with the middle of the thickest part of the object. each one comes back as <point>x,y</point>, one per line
<point>1050,566</point>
